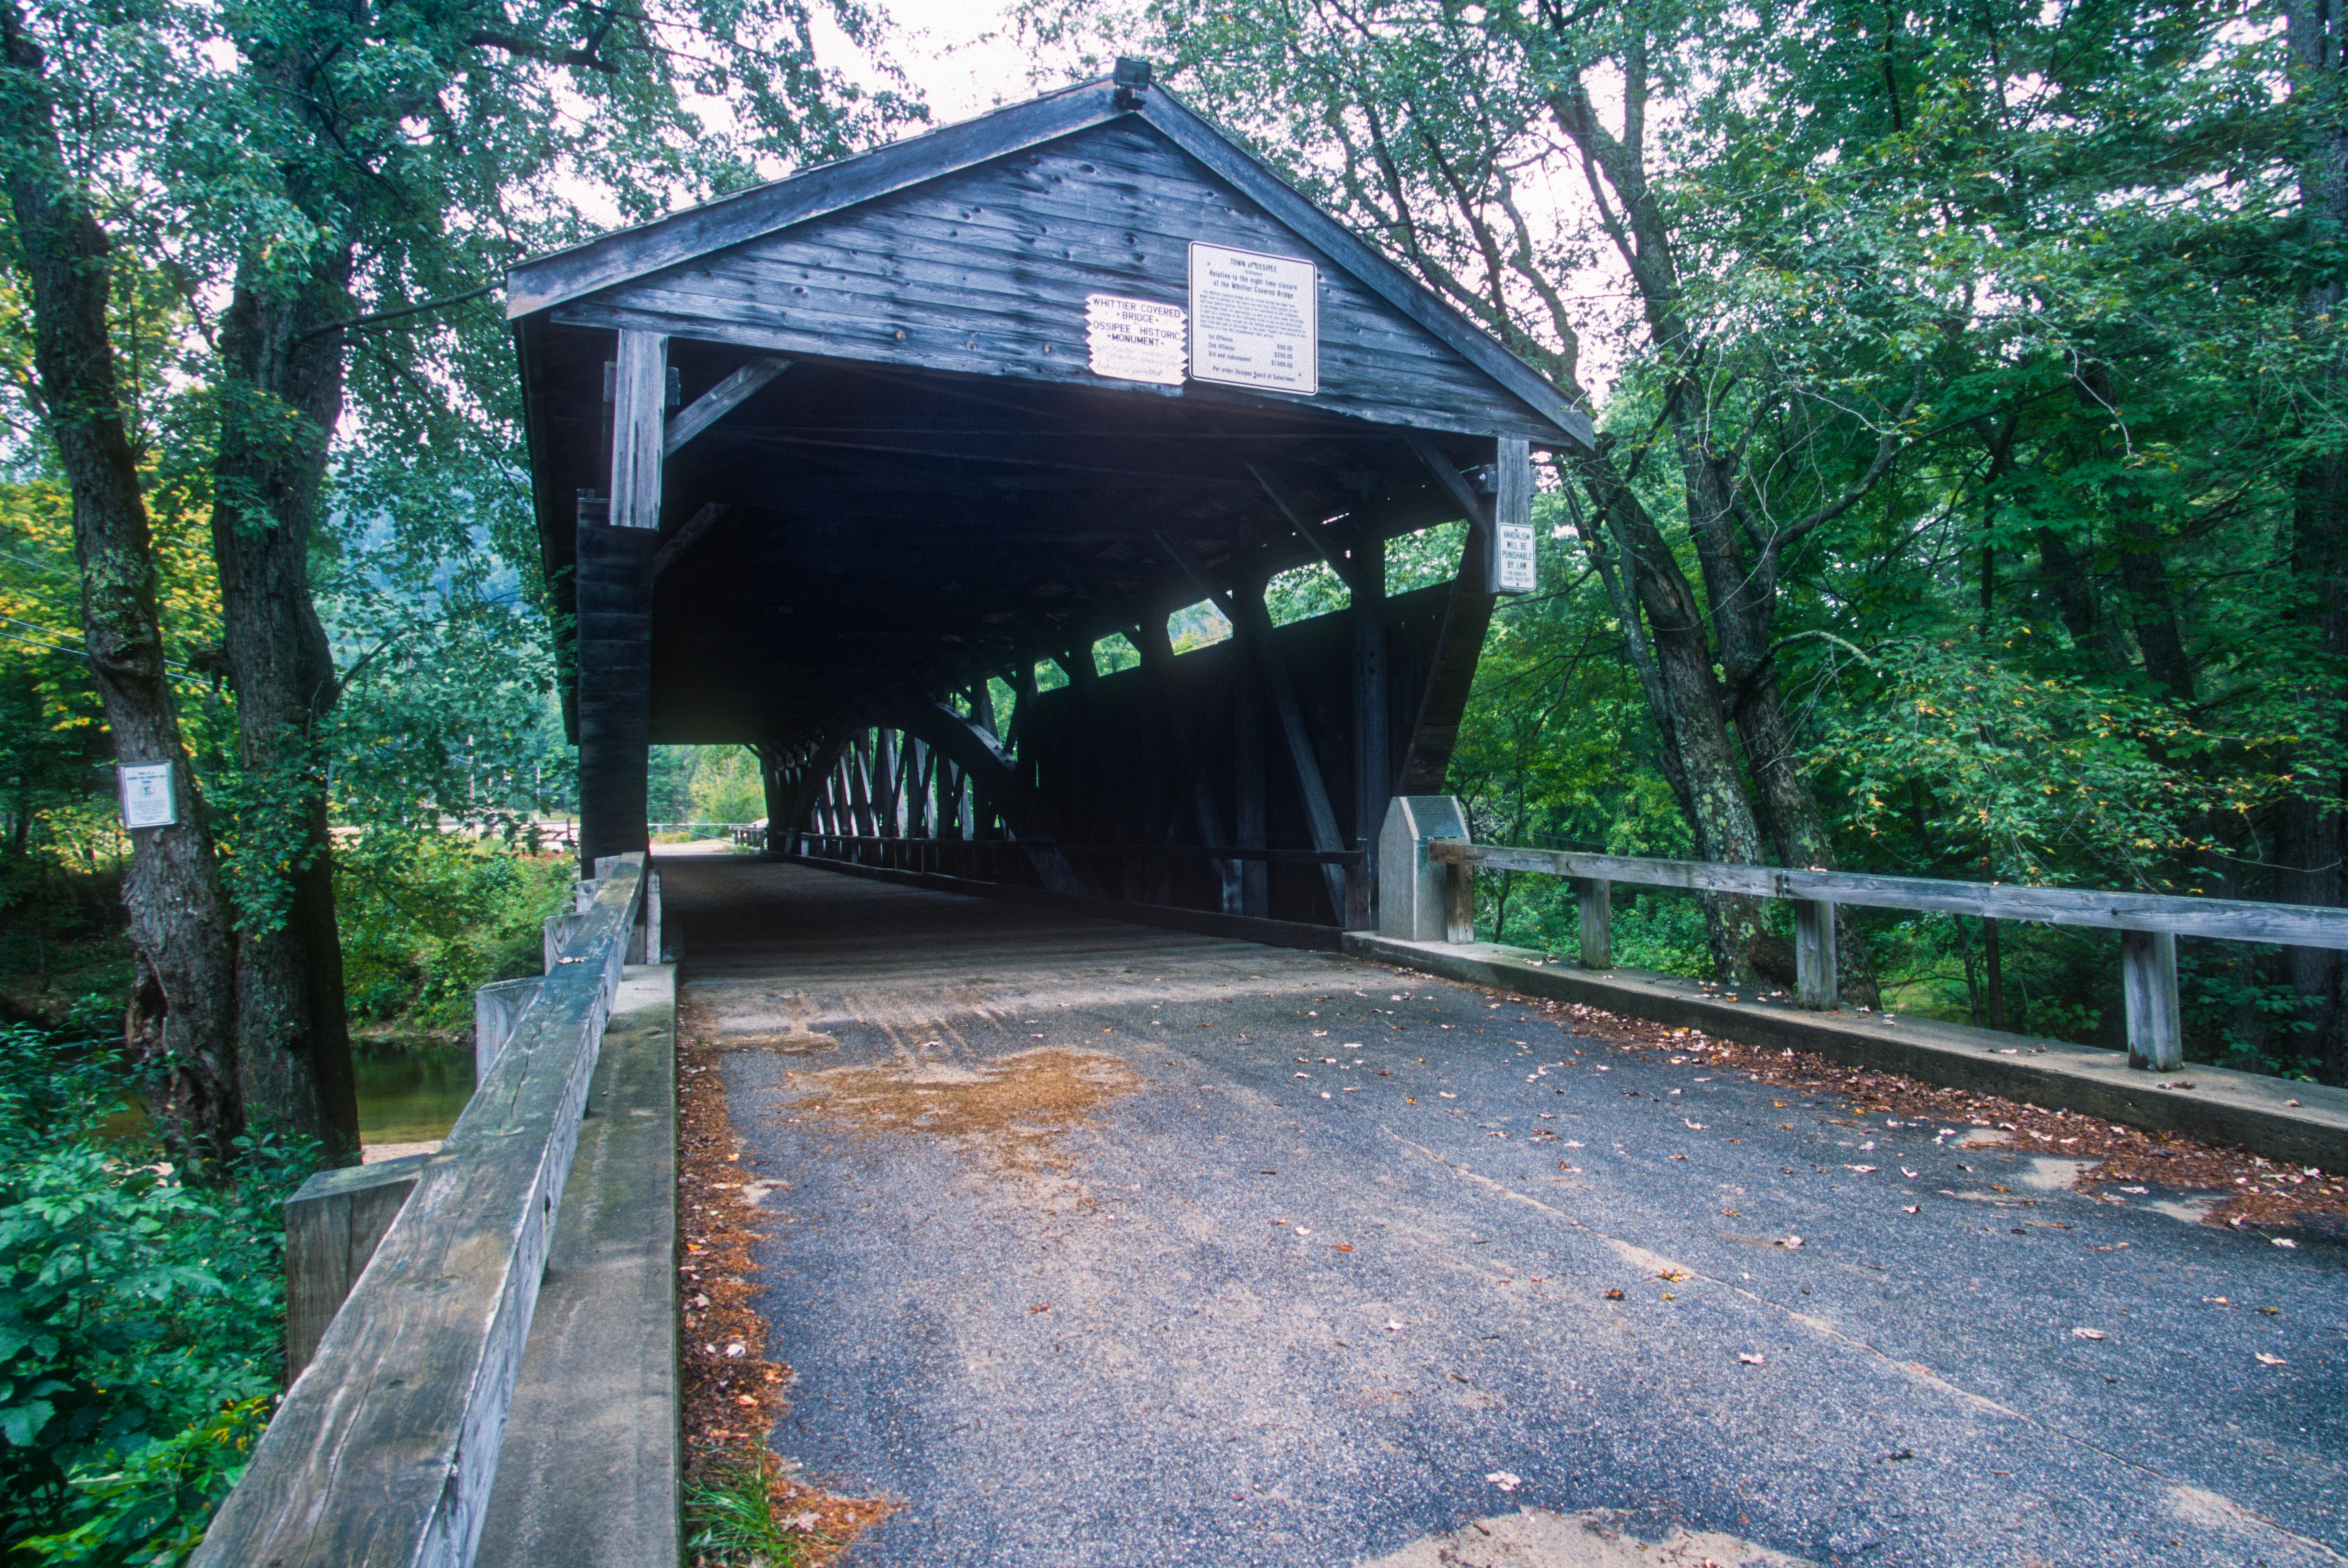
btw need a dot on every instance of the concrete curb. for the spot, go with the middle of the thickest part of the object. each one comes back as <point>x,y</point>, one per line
<point>591,1471</point>
<point>2212,1103</point>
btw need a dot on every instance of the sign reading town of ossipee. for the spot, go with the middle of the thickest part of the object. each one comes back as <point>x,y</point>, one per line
<point>1255,319</point>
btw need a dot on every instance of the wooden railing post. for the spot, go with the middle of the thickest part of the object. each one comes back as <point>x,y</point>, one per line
<point>1459,900</point>
<point>1815,982</point>
<point>332,1228</point>
<point>2155,1036</point>
<point>1597,900</point>
<point>497,1009</point>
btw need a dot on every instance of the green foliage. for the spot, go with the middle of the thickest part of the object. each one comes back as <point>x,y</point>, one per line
<point>429,917</point>
<point>729,788</point>
<point>1303,593</point>
<point>142,1321</point>
<point>1115,652</point>
<point>732,1521</point>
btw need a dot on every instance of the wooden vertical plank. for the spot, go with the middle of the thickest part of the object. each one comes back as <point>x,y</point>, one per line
<point>614,605</point>
<point>2156,1032</point>
<point>1816,983</point>
<point>332,1228</point>
<point>1459,903</point>
<point>1373,765</point>
<point>1247,723</point>
<point>1596,900</point>
<point>1157,665</point>
<point>639,414</point>
<point>1251,624</point>
<point>1466,616</point>
<point>1512,501</point>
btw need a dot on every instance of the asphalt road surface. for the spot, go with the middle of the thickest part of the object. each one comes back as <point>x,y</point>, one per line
<point>1097,1245</point>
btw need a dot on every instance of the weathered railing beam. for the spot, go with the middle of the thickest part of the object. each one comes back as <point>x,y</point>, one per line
<point>383,1452</point>
<point>2225,919</point>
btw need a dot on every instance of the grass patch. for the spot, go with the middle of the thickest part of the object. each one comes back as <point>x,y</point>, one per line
<point>735,1518</point>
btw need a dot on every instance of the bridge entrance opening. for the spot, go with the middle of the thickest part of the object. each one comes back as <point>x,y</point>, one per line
<point>829,467</point>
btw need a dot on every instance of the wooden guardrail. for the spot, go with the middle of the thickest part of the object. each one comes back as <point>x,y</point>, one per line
<point>998,859</point>
<point>2148,923</point>
<point>385,1448</point>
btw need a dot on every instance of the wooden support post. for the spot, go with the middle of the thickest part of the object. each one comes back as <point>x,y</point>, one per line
<point>1373,764</point>
<point>1815,982</point>
<point>1157,664</point>
<point>2156,1035</point>
<point>615,642</point>
<point>332,1226</point>
<point>1459,902</point>
<point>1597,900</point>
<point>1466,616</point>
<point>639,427</point>
<point>1251,624</point>
<point>497,1009</point>
<point>1247,725</point>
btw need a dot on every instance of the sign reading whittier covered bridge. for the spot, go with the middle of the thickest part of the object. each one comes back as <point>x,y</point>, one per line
<point>819,460</point>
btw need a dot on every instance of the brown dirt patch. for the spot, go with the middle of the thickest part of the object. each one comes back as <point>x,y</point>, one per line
<point>788,1042</point>
<point>734,1394</point>
<point>2259,1193</point>
<point>1014,1110</point>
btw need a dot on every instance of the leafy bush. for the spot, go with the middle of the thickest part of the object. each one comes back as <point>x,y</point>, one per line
<point>142,1321</point>
<point>427,918</point>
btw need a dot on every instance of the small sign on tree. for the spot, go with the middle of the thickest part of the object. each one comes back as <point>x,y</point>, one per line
<point>146,797</point>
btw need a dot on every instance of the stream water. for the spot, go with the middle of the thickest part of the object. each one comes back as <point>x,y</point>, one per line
<point>410,1090</point>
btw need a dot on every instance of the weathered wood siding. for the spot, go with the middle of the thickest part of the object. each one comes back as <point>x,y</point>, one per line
<point>986,271</point>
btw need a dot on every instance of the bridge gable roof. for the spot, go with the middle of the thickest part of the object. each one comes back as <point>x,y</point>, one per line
<point>972,248</point>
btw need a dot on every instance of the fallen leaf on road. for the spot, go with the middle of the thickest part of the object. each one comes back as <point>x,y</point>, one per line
<point>2286,1240</point>
<point>1505,1481</point>
<point>1696,1126</point>
<point>1446,1094</point>
<point>1342,1247</point>
<point>1791,1241</point>
<point>1674,1274</point>
<point>1753,1359</point>
<point>1613,1295</point>
<point>1907,1172</point>
<point>1393,1327</point>
<point>2088,1333</point>
<point>1041,1307</point>
<point>1911,1209</point>
<point>2265,1360</point>
<point>1862,1169</point>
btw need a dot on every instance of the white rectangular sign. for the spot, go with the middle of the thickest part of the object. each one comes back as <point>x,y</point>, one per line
<point>1517,573</point>
<point>147,795</point>
<point>1135,340</point>
<point>1255,319</point>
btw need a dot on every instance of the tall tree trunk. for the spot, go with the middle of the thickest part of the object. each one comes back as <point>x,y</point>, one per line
<point>1712,793</point>
<point>2312,841</point>
<point>280,396</point>
<point>182,1015</point>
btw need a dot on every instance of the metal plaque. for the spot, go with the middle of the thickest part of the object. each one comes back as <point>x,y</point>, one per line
<point>1135,340</point>
<point>146,800</point>
<point>1517,573</point>
<point>1255,319</point>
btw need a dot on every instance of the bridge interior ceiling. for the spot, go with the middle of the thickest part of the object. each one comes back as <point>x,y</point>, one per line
<point>855,534</point>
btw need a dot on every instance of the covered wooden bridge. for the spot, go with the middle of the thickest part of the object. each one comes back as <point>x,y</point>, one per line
<point>819,461</point>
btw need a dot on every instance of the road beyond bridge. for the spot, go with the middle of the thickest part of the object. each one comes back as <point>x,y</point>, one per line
<point>1096,1244</point>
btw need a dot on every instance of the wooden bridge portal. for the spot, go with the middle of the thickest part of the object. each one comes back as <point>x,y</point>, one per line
<point>815,462</point>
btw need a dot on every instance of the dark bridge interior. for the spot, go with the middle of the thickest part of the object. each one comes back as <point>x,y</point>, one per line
<point>818,461</point>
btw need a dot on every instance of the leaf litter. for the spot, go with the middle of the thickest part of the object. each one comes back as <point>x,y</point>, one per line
<point>734,1394</point>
